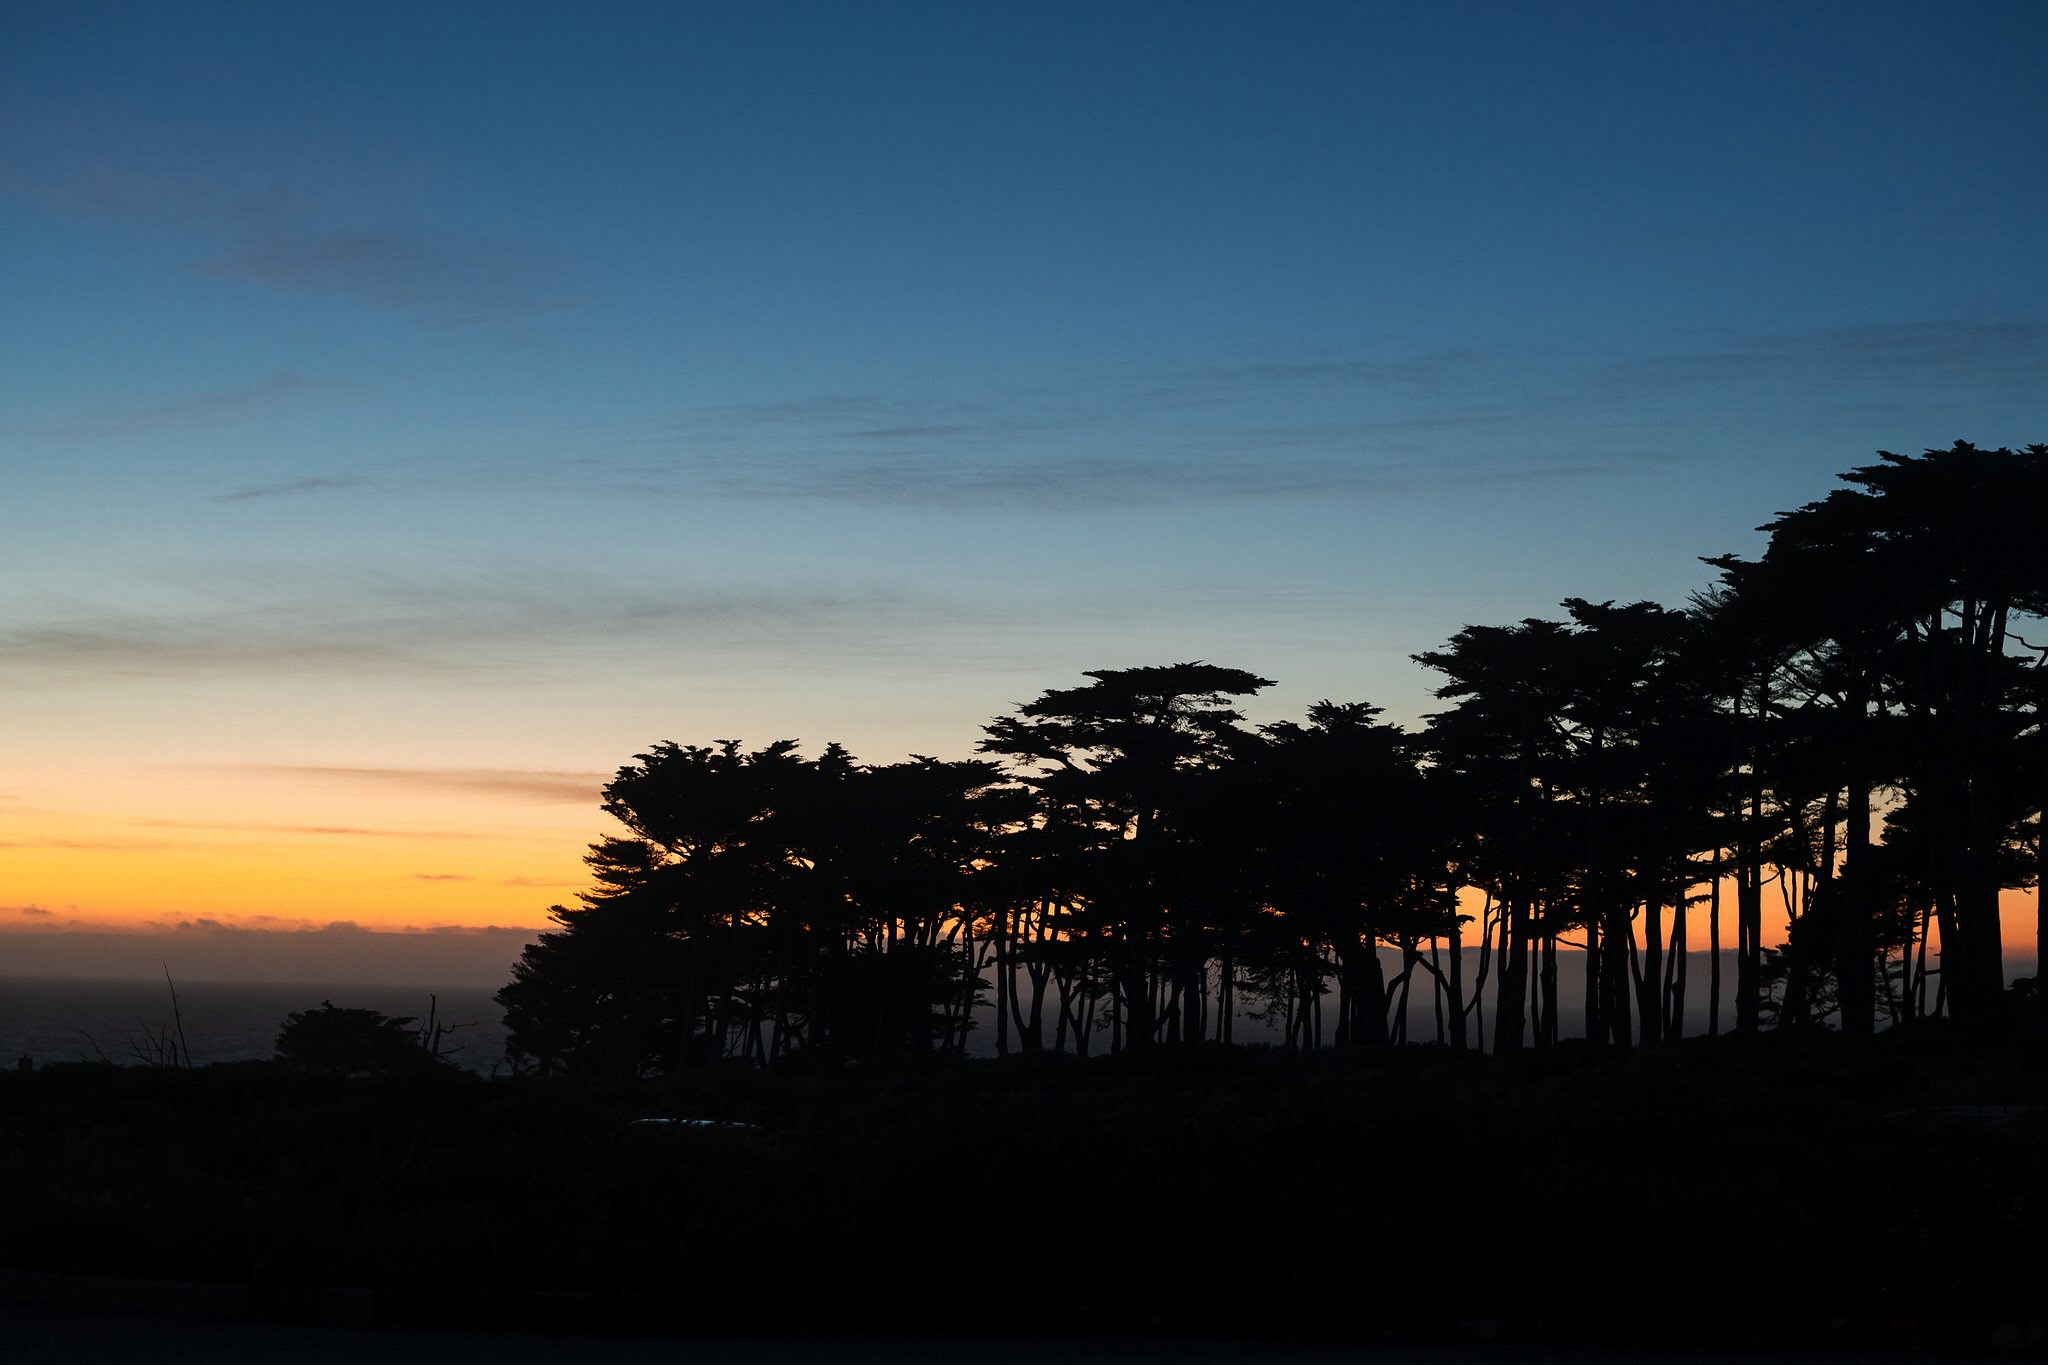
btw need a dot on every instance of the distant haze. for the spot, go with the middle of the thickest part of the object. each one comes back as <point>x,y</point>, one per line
<point>434,959</point>
<point>452,958</point>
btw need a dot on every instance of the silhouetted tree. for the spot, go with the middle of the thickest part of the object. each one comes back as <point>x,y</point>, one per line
<point>353,1042</point>
<point>760,903</point>
<point>1350,853</point>
<point>1110,764</point>
<point>1896,598</point>
<point>602,992</point>
<point>1153,855</point>
<point>1503,744</point>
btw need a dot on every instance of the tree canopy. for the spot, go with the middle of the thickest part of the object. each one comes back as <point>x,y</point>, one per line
<point>1851,721</point>
<point>353,1042</point>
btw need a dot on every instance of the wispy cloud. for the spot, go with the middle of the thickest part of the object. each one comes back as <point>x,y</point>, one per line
<point>1982,354</point>
<point>444,280</point>
<point>1429,371</point>
<point>1094,442</point>
<point>1359,427</point>
<point>126,644</point>
<point>1120,440</point>
<point>544,786</point>
<point>293,488</point>
<point>801,408</point>
<point>309,831</point>
<point>88,845</point>
<point>226,925</point>
<point>271,924</point>
<point>1111,483</point>
<point>279,237</point>
<point>157,416</point>
<point>442,877</point>
<point>927,431</point>
<point>352,622</point>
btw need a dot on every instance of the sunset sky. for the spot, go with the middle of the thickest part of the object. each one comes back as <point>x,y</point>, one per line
<point>410,412</point>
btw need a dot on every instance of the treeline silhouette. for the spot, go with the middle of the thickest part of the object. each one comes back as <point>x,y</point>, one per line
<point>1849,725</point>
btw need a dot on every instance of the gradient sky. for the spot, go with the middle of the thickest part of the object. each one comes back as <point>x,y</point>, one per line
<point>410,412</point>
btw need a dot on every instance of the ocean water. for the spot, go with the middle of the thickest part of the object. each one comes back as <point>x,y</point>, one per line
<point>52,1019</point>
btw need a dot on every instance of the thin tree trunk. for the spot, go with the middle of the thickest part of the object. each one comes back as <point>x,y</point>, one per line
<point>1852,970</point>
<point>1457,971</point>
<point>1650,985</point>
<point>1676,963</point>
<point>1005,985</point>
<point>1714,947</point>
<point>1511,1001</point>
<point>1617,951</point>
<point>1596,1024</point>
<point>1749,886</point>
<point>1488,915</point>
<point>1436,993</point>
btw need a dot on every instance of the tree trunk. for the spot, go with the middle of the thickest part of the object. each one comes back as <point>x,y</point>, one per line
<point>1596,1021</point>
<point>1510,1001</point>
<point>1749,885</point>
<point>2041,901</point>
<point>1676,963</point>
<point>1617,942</point>
<point>1852,901</point>
<point>1436,989</point>
<point>1360,964</point>
<point>1650,987</point>
<point>1714,948</point>
<point>1457,982</point>
<point>1005,984</point>
<point>1134,997</point>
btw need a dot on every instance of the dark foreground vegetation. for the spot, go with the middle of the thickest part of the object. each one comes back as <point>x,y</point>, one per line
<point>1784,1191</point>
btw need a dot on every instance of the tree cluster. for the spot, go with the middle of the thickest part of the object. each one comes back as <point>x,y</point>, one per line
<point>1850,723</point>
<point>351,1042</point>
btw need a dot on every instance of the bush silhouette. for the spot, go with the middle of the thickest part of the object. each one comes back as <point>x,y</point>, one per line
<point>347,1042</point>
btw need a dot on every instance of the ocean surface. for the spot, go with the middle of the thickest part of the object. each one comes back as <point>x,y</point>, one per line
<point>53,1019</point>
<point>129,1022</point>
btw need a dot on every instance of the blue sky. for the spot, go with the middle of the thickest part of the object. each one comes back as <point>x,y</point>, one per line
<point>504,387</point>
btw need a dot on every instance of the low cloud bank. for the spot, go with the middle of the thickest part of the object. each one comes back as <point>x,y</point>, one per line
<point>340,953</point>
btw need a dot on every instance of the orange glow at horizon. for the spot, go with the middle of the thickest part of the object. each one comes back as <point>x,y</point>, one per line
<point>297,846</point>
<point>396,848</point>
<point>2015,915</point>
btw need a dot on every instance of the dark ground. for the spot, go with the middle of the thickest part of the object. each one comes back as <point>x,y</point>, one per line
<point>1760,1196</point>
<point>34,1335</point>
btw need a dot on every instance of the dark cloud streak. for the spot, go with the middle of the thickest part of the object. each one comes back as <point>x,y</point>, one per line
<point>312,831</point>
<point>446,281</point>
<point>1109,485</point>
<point>533,785</point>
<point>89,845</point>
<point>515,624</point>
<point>292,488</point>
<point>144,420</point>
<point>276,236</point>
<point>2005,353</point>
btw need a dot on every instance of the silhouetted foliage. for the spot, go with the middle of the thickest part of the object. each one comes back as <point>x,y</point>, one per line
<point>1850,722</point>
<point>353,1042</point>
<point>763,904</point>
